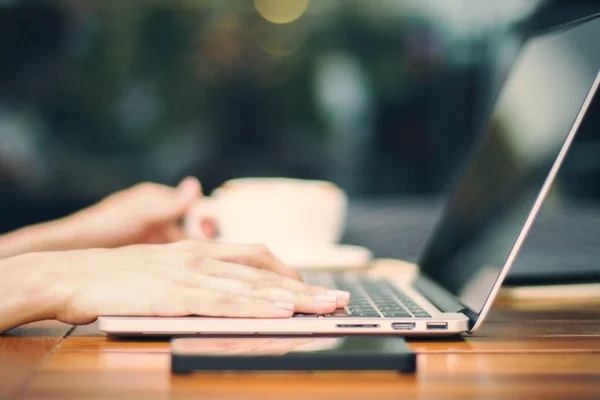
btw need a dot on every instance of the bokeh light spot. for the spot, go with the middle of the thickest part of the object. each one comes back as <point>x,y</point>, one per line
<point>281,11</point>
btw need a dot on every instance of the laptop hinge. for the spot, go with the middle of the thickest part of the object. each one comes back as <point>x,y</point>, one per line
<point>438,296</point>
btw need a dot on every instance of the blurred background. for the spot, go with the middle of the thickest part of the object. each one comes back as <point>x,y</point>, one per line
<point>383,97</point>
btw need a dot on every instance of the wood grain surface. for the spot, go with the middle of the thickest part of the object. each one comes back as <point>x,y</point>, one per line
<point>23,349</point>
<point>526,349</point>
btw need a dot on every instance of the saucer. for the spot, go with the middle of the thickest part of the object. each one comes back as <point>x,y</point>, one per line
<point>326,256</point>
<point>329,256</point>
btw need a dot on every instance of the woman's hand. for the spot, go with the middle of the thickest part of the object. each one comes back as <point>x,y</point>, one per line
<point>144,213</point>
<point>179,279</point>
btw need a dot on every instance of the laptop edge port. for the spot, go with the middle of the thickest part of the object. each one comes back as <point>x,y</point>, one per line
<point>357,326</point>
<point>437,326</point>
<point>403,326</point>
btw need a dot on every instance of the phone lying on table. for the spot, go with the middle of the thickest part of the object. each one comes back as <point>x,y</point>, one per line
<point>355,353</point>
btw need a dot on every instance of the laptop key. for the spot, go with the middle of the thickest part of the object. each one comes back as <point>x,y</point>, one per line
<point>394,315</point>
<point>338,314</point>
<point>422,315</point>
<point>300,315</point>
<point>363,311</point>
<point>305,316</point>
<point>360,304</point>
<point>361,308</point>
<point>389,306</point>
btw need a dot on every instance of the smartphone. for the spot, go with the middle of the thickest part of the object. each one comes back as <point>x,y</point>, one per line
<point>352,353</point>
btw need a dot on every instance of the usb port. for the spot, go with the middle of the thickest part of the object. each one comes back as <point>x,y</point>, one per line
<point>403,326</point>
<point>437,326</point>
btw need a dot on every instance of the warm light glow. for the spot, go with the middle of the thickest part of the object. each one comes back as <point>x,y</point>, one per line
<point>281,11</point>
<point>280,41</point>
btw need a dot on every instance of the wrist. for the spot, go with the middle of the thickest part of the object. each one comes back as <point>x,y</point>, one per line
<point>49,236</point>
<point>28,290</point>
<point>88,228</point>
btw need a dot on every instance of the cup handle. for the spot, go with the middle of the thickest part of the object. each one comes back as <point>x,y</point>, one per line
<point>202,211</point>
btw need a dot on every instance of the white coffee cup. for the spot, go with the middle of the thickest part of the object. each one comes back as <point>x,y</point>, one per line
<point>277,212</point>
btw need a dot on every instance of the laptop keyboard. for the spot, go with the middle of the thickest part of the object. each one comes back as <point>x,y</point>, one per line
<point>370,298</point>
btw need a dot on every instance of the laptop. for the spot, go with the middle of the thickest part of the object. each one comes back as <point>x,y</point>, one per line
<point>484,222</point>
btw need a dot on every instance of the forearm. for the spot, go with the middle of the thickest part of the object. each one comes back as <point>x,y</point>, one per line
<point>50,236</point>
<point>26,291</point>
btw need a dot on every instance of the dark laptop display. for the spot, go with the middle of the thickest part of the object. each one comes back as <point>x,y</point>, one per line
<point>532,118</point>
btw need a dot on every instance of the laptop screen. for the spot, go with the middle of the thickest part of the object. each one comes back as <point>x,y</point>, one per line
<point>531,119</point>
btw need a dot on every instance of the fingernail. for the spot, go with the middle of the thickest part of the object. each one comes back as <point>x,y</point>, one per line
<point>285,306</point>
<point>328,299</point>
<point>339,294</point>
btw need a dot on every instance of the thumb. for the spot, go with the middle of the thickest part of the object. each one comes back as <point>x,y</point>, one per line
<point>182,197</point>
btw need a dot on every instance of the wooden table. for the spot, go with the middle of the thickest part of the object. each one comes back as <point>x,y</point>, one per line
<point>531,350</point>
